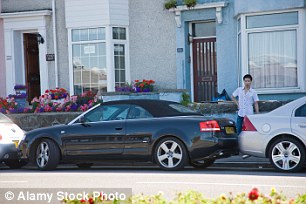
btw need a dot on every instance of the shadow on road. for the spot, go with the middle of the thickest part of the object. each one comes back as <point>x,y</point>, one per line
<point>149,169</point>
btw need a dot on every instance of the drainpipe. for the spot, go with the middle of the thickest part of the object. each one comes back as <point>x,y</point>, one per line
<point>55,43</point>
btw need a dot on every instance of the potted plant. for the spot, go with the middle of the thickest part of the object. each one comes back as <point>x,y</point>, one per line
<point>190,3</point>
<point>170,4</point>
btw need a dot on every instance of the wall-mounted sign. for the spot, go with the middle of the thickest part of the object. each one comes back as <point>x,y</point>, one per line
<point>8,57</point>
<point>50,57</point>
<point>179,49</point>
<point>90,49</point>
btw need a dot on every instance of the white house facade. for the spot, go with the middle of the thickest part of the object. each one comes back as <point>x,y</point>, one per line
<point>204,49</point>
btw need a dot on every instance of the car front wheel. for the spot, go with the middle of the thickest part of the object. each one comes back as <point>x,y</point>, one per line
<point>47,155</point>
<point>170,154</point>
<point>287,154</point>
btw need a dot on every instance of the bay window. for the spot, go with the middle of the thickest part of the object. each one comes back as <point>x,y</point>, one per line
<point>89,60</point>
<point>269,50</point>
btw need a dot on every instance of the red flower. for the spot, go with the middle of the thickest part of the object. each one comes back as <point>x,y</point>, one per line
<point>47,91</point>
<point>253,194</point>
<point>91,201</point>
<point>136,80</point>
<point>83,201</point>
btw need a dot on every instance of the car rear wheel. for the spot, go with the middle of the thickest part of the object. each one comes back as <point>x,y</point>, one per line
<point>202,164</point>
<point>47,155</point>
<point>287,154</point>
<point>15,164</point>
<point>170,154</point>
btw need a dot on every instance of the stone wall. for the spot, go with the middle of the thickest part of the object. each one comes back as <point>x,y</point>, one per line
<point>30,121</point>
<point>221,109</point>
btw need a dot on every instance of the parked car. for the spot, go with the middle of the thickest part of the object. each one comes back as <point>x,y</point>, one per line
<point>279,135</point>
<point>164,132</point>
<point>10,136</point>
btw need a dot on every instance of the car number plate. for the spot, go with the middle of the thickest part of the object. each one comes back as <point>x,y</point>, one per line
<point>16,142</point>
<point>229,130</point>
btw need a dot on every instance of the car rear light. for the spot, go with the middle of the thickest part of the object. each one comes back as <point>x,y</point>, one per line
<point>0,137</point>
<point>209,126</point>
<point>247,125</point>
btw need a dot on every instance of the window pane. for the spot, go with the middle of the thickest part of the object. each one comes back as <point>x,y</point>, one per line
<point>301,111</point>
<point>273,59</point>
<point>204,29</point>
<point>269,20</point>
<point>84,35</point>
<point>119,33</point>
<point>93,34</point>
<point>101,33</point>
<point>75,35</point>
<point>89,67</point>
<point>137,112</point>
<point>119,59</point>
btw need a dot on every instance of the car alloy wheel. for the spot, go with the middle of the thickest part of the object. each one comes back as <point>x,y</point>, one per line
<point>170,154</point>
<point>47,155</point>
<point>287,154</point>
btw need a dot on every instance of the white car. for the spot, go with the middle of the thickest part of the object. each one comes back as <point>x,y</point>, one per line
<point>279,135</point>
<point>10,136</point>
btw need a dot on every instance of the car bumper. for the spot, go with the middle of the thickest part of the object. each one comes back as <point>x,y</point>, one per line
<point>216,149</point>
<point>8,152</point>
<point>252,143</point>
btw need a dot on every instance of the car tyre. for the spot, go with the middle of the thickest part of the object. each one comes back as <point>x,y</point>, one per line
<point>202,164</point>
<point>47,155</point>
<point>170,154</point>
<point>287,154</point>
<point>15,164</point>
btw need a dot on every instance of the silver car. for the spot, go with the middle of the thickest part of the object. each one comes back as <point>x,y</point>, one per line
<point>10,136</point>
<point>279,135</point>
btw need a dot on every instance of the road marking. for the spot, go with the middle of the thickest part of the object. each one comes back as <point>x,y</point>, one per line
<point>224,184</point>
<point>13,181</point>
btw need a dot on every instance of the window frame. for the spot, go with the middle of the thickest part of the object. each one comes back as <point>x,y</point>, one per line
<point>126,50</point>
<point>109,44</point>
<point>243,58</point>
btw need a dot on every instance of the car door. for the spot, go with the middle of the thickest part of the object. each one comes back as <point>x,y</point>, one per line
<point>138,133</point>
<point>298,122</point>
<point>98,134</point>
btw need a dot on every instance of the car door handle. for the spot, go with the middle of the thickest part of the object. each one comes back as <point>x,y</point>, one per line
<point>118,128</point>
<point>302,125</point>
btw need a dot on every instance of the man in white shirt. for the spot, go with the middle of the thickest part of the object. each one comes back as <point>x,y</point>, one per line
<point>247,97</point>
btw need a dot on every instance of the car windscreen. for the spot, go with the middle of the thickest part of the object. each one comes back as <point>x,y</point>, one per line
<point>4,119</point>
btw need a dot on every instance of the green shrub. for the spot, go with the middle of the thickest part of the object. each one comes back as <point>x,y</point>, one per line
<point>170,4</point>
<point>190,3</point>
<point>185,99</point>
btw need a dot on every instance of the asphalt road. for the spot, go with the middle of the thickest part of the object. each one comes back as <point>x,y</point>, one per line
<point>211,182</point>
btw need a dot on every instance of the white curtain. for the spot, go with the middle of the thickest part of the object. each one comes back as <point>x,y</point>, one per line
<point>273,59</point>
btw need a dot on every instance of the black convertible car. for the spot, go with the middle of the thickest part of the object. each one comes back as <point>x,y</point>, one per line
<point>163,132</point>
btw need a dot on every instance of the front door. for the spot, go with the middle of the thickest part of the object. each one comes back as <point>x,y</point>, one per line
<point>204,60</point>
<point>31,53</point>
<point>204,69</point>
